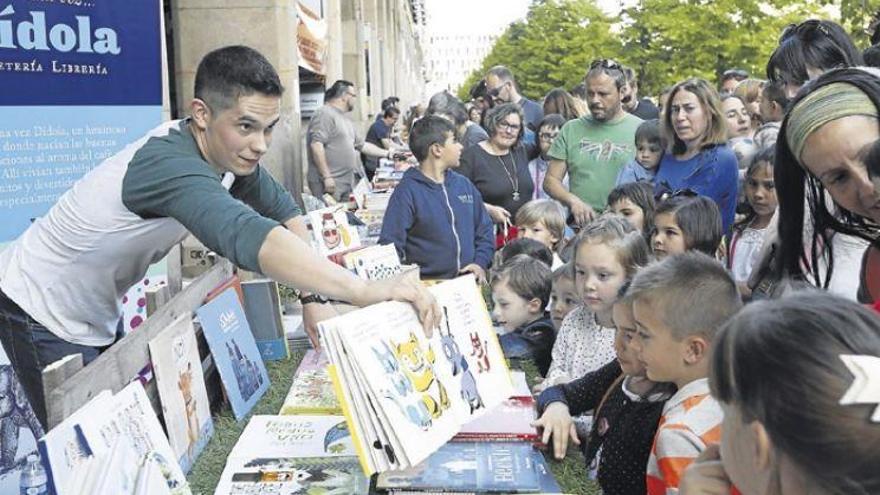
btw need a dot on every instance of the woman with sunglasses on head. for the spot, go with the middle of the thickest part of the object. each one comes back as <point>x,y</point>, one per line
<point>698,157</point>
<point>808,49</point>
<point>821,162</point>
<point>499,166</point>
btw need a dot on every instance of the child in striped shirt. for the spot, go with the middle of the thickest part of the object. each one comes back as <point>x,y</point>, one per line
<point>678,305</point>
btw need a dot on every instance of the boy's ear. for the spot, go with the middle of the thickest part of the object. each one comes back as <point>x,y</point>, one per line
<point>535,306</point>
<point>763,446</point>
<point>436,150</point>
<point>696,349</point>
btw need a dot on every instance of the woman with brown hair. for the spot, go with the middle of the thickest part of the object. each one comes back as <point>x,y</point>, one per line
<point>698,157</point>
<point>560,101</point>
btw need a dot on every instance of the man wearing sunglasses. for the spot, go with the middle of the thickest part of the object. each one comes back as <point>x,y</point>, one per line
<point>593,148</point>
<point>501,87</point>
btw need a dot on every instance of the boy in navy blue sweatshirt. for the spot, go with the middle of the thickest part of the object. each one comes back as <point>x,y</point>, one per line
<point>436,217</point>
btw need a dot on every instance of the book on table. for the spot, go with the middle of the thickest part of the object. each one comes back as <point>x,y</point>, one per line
<point>509,421</point>
<point>293,455</point>
<point>262,307</point>
<point>181,383</point>
<point>312,389</point>
<point>331,231</point>
<point>235,351</point>
<point>377,262</point>
<point>404,394</point>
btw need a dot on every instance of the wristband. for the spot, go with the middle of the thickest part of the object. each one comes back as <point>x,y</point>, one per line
<point>313,298</point>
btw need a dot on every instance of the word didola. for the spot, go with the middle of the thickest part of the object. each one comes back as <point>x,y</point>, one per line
<point>34,34</point>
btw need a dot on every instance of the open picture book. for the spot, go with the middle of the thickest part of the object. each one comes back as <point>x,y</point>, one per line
<point>404,394</point>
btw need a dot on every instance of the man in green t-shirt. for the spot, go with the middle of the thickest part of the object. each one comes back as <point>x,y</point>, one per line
<point>593,148</point>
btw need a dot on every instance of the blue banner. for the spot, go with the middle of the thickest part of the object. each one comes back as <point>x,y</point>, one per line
<point>79,80</point>
<point>80,52</point>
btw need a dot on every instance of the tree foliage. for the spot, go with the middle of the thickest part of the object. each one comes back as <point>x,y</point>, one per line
<point>665,41</point>
<point>551,47</point>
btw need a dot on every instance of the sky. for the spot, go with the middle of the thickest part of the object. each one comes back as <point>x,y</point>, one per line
<point>484,16</point>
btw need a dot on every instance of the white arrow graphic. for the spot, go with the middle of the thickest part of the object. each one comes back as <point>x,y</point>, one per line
<point>865,388</point>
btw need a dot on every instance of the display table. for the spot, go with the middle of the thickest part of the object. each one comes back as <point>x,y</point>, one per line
<point>570,473</point>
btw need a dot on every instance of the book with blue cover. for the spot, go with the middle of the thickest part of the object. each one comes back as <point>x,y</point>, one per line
<point>235,351</point>
<point>483,467</point>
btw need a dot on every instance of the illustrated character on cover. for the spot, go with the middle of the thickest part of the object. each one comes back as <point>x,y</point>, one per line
<point>184,384</point>
<point>417,412</point>
<point>419,368</point>
<point>15,413</point>
<point>478,350</point>
<point>334,439</point>
<point>453,353</point>
<point>316,478</point>
<point>330,231</point>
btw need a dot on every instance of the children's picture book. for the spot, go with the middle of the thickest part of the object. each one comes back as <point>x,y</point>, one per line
<point>520,385</point>
<point>508,421</point>
<point>262,307</point>
<point>19,428</point>
<point>377,262</point>
<point>293,454</point>
<point>125,437</point>
<point>67,458</point>
<point>235,352</point>
<point>332,232</point>
<point>312,389</point>
<point>481,467</point>
<point>406,395</point>
<point>181,383</point>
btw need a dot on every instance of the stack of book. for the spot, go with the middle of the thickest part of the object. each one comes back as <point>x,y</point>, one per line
<point>404,394</point>
<point>377,262</point>
<point>292,455</point>
<point>312,390</point>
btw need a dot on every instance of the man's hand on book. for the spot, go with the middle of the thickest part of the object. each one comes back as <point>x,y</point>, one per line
<point>404,288</point>
<point>556,422</point>
<point>314,314</point>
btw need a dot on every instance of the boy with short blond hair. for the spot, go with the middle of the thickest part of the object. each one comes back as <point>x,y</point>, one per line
<point>544,221</point>
<point>678,305</point>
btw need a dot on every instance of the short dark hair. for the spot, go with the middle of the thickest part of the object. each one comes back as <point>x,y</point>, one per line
<point>642,195</point>
<point>226,74</point>
<point>389,102</point>
<point>780,362</point>
<point>427,131</point>
<point>579,90</point>
<point>446,103</point>
<point>528,247</point>
<point>391,112</point>
<point>775,92</point>
<point>337,89</point>
<point>608,67</point>
<point>872,56</point>
<point>527,277</point>
<point>553,121</point>
<point>694,292</point>
<point>502,72</point>
<point>498,113</point>
<point>814,43</point>
<point>649,131</point>
<point>738,74</point>
<point>698,218</point>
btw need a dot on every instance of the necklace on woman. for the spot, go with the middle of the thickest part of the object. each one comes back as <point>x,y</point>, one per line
<point>513,178</point>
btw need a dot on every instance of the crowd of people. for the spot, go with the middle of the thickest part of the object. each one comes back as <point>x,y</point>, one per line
<point>691,278</point>
<point>622,238</point>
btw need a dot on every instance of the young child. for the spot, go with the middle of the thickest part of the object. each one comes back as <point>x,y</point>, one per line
<point>772,108</point>
<point>520,292</point>
<point>790,376</point>
<point>606,253</point>
<point>435,216</point>
<point>678,306</point>
<point>627,405</point>
<point>530,247</point>
<point>649,151</point>
<point>544,221</point>
<point>548,129</point>
<point>747,239</point>
<point>563,297</point>
<point>634,201</point>
<point>686,222</point>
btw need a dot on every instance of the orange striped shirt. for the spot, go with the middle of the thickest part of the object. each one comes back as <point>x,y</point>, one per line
<point>691,420</point>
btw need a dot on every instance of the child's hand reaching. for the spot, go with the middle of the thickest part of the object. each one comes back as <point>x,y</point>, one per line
<point>556,422</point>
<point>706,476</point>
